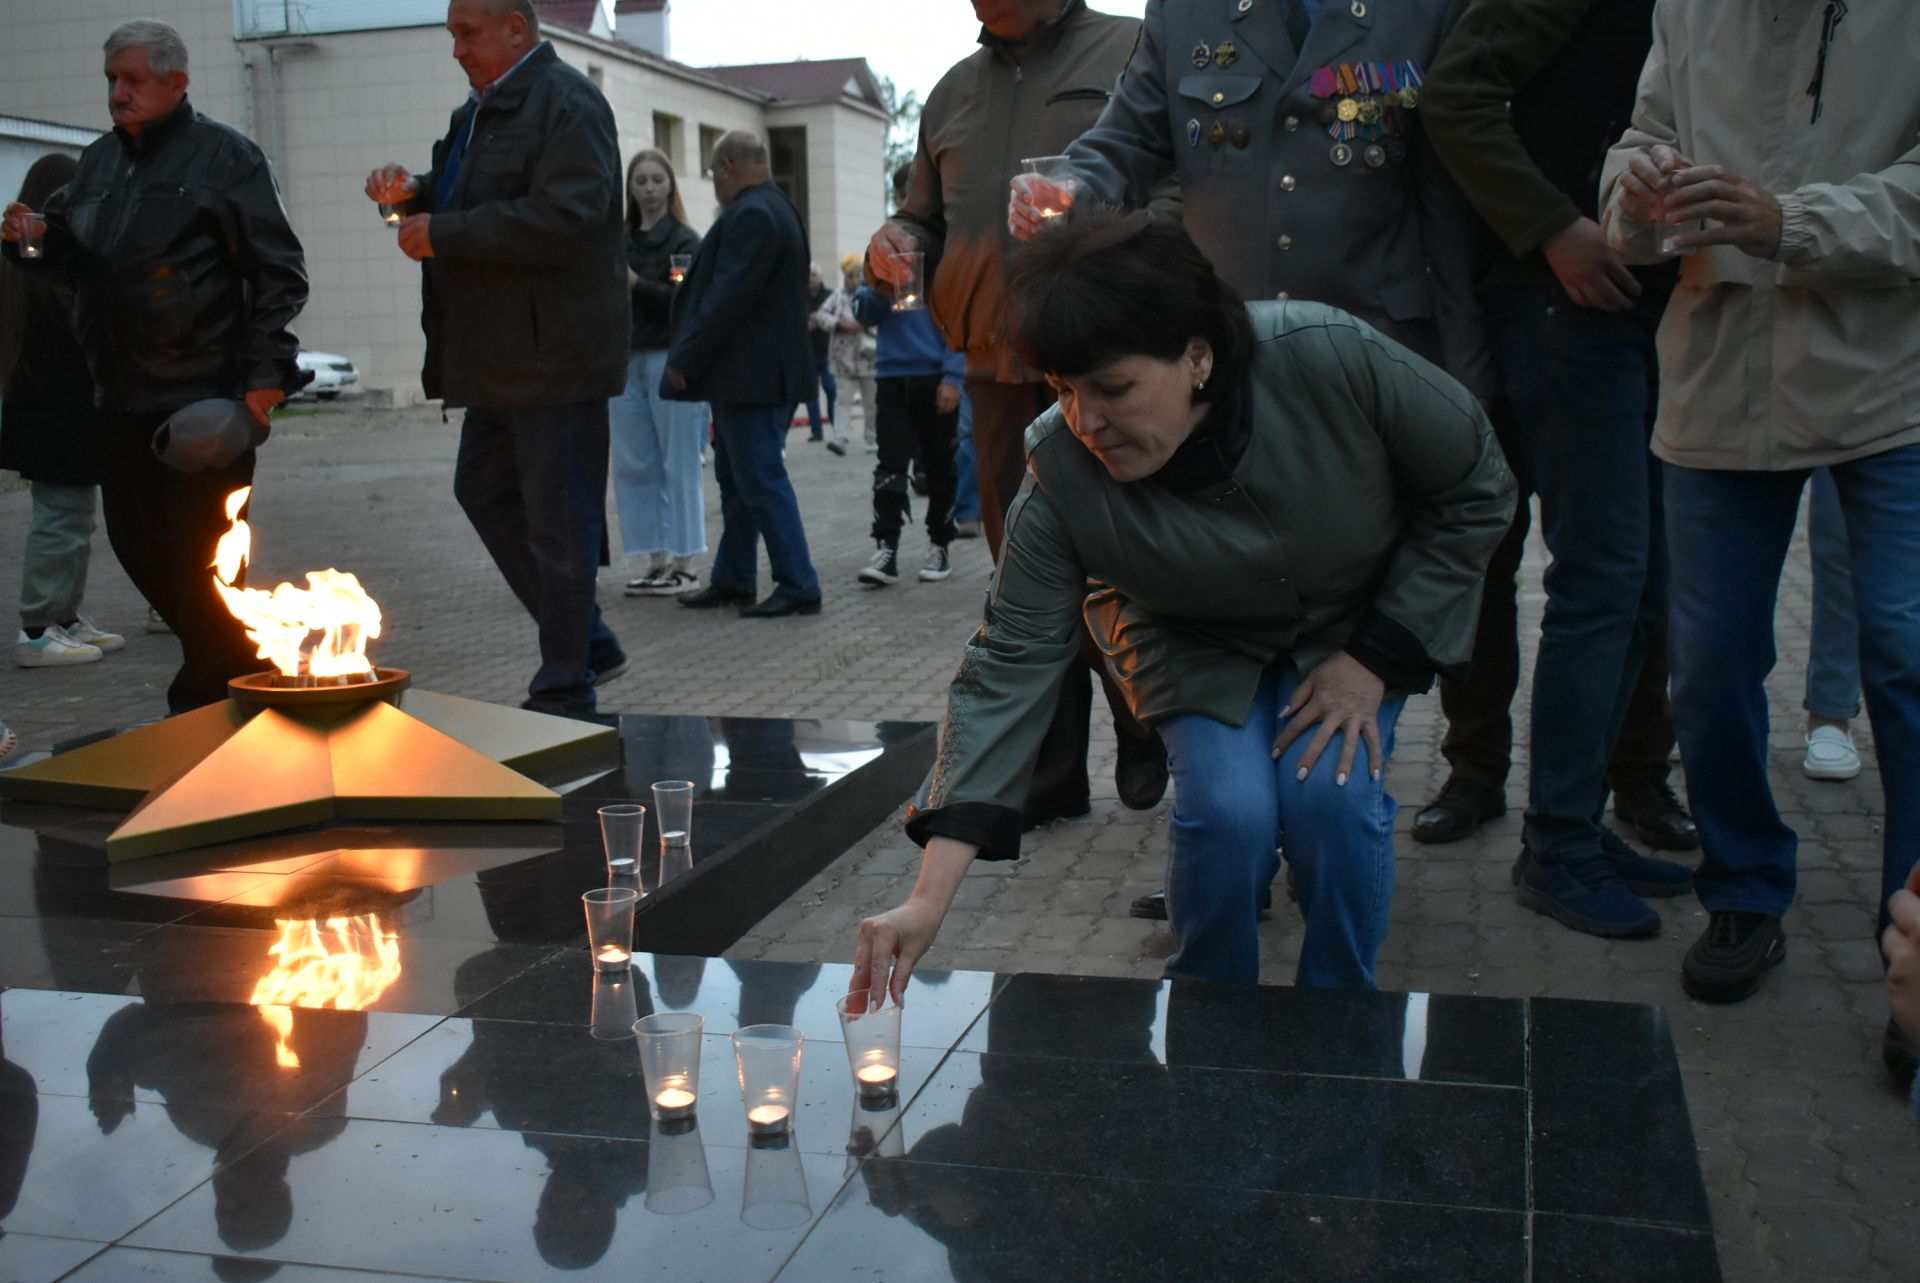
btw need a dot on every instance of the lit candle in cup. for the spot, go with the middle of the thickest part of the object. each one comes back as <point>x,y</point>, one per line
<point>677,265</point>
<point>674,1102</point>
<point>877,1081</point>
<point>768,1120</point>
<point>612,955</point>
<point>390,215</point>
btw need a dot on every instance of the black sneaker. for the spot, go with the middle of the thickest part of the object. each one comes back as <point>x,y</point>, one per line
<point>1579,889</point>
<point>937,567</point>
<point>1727,963</point>
<point>884,569</point>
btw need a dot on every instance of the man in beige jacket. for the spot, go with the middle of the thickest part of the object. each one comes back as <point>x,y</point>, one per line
<point>1773,149</point>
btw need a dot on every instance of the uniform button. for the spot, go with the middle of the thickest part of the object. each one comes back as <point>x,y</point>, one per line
<point>1293,123</point>
<point>1286,183</point>
<point>1286,242</point>
<point>1219,97</point>
<point>1281,297</point>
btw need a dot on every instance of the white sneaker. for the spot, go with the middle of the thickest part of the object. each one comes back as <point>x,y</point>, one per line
<point>85,630</point>
<point>1831,754</point>
<point>52,649</point>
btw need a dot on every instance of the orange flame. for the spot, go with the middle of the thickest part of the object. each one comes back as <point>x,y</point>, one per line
<point>348,965</point>
<point>332,604</point>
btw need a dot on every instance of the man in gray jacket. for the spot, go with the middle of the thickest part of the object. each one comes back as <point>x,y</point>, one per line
<point>1042,73</point>
<point>518,231</point>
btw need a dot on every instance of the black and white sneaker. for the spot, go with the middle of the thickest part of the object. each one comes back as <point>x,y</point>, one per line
<point>884,569</point>
<point>670,582</point>
<point>937,566</point>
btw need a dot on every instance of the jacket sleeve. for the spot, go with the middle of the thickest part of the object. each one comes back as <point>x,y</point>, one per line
<point>1497,48</point>
<point>1447,230</point>
<point>1458,488</point>
<point>1653,123</point>
<point>1001,700</point>
<point>1128,154</point>
<point>745,245</point>
<point>575,179</point>
<point>953,369</point>
<point>924,211</point>
<point>263,246</point>
<point>1865,231</point>
<point>868,307</point>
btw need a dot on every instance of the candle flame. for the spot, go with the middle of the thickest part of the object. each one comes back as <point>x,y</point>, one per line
<point>348,965</point>
<point>333,604</point>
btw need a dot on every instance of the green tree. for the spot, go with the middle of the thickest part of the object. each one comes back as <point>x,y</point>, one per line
<point>903,131</point>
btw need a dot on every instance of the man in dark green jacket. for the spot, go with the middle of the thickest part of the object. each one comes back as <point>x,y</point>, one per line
<point>518,230</point>
<point>1524,101</point>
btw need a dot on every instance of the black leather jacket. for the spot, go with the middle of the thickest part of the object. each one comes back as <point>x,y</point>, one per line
<point>525,300</point>
<point>186,270</point>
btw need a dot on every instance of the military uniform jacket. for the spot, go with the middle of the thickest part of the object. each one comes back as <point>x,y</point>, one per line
<point>1367,500</point>
<point>1368,221</point>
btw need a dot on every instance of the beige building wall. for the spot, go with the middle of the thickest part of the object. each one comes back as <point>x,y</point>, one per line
<point>349,102</point>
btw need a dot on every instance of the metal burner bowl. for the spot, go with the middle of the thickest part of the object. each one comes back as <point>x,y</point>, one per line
<point>317,694</point>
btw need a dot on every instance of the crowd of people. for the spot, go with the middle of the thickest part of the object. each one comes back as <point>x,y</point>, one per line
<point>1252,388</point>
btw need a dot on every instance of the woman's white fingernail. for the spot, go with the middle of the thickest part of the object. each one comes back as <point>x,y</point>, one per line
<point>1302,774</point>
<point>1341,779</point>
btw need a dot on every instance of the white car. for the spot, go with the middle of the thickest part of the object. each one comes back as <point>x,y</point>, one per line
<point>333,374</point>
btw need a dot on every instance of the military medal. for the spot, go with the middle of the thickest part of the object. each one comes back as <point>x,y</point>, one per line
<point>1396,150</point>
<point>1368,111</point>
<point>1218,134</point>
<point>1202,55</point>
<point>1348,110</point>
<point>1240,135</point>
<point>1375,155</point>
<point>1342,154</point>
<point>1193,133</point>
<point>1224,53</point>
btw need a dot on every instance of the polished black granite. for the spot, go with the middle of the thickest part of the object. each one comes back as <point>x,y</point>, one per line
<point>1047,1128</point>
<point>480,1113</point>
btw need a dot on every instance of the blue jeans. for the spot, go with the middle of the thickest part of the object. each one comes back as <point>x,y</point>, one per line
<point>815,424</point>
<point>756,502</point>
<point>58,551</point>
<point>966,494</point>
<point>534,484</point>
<point>1583,387</point>
<point>1233,805</point>
<point>1833,646</point>
<point>656,464</point>
<point>1728,534</point>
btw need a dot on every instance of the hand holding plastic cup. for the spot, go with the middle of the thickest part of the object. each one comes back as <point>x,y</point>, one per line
<point>390,214</point>
<point>910,293</point>
<point>873,1045</point>
<point>1049,184</point>
<point>677,265</point>
<point>33,235</point>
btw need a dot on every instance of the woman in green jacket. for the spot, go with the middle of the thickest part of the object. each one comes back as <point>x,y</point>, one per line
<point>1276,523</point>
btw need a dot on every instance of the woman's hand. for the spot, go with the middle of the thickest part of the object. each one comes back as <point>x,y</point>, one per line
<point>1900,943</point>
<point>1342,696</point>
<point>892,943</point>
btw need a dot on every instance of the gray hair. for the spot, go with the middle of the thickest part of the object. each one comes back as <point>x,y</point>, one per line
<point>525,8</point>
<point>166,51</point>
<point>740,147</point>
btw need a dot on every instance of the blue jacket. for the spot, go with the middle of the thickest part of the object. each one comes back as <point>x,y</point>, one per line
<point>910,343</point>
<point>739,322</point>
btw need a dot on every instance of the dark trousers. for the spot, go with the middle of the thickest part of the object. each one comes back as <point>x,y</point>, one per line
<point>1479,740</point>
<point>1583,385</point>
<point>757,502</point>
<point>911,426</point>
<point>163,526</point>
<point>1001,413</point>
<point>534,484</point>
<point>815,424</point>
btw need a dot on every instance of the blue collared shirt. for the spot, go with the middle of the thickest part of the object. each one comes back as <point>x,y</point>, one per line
<point>457,154</point>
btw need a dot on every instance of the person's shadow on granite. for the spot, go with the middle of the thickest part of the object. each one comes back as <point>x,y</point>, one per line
<point>19,1125</point>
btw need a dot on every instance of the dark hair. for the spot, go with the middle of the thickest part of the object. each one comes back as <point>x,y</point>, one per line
<point>674,205</point>
<point>44,177</point>
<point>1104,286</point>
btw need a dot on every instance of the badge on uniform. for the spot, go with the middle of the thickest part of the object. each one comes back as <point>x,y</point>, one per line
<point>1365,104</point>
<point>1342,154</point>
<point>1240,136</point>
<point>1224,54</point>
<point>1202,55</point>
<point>1217,135</point>
<point>1193,133</point>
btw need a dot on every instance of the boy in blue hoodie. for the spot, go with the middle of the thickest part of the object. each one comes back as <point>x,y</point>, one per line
<point>918,382</point>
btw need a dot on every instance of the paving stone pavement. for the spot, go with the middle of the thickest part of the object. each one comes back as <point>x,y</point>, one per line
<point>1812,1162</point>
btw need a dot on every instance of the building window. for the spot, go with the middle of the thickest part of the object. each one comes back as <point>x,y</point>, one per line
<point>787,154</point>
<point>709,139</point>
<point>666,136</point>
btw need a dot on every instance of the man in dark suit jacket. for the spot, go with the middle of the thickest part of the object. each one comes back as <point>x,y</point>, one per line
<point>740,343</point>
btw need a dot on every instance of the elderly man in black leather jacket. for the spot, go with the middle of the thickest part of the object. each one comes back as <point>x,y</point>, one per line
<point>518,229</point>
<point>187,275</point>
